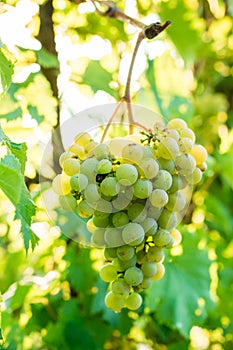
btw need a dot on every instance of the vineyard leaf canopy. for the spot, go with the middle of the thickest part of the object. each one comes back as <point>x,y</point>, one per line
<point>185,283</point>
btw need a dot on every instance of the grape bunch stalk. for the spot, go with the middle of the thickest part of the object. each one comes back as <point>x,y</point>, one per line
<point>132,191</point>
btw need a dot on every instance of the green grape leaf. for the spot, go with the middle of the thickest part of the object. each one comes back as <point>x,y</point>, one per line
<point>97,77</point>
<point>11,178</point>
<point>80,273</point>
<point>183,30</point>
<point>12,115</point>
<point>6,70</point>
<point>19,150</point>
<point>219,214</point>
<point>46,59</point>
<point>34,114</point>
<point>175,298</point>
<point>19,295</point>
<point>25,210</point>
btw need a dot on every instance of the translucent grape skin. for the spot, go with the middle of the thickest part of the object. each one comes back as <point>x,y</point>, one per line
<point>68,202</point>
<point>134,301</point>
<point>149,268</point>
<point>120,219</point>
<point>142,188</point>
<point>126,174</point>
<point>125,252</point>
<point>114,301</point>
<point>120,287</point>
<point>133,276</point>
<point>159,198</point>
<point>133,234</point>
<point>108,273</point>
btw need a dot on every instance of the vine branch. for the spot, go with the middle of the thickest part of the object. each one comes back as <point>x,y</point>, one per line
<point>109,9</point>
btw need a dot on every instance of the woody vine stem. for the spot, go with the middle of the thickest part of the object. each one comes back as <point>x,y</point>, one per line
<point>109,9</point>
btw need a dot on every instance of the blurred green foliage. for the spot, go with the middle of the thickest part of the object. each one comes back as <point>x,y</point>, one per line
<point>52,297</point>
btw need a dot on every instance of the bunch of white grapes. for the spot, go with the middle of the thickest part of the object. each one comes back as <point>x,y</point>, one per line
<point>133,191</point>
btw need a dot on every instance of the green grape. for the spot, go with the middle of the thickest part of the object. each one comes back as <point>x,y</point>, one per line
<point>132,153</point>
<point>149,168</point>
<point>101,151</point>
<point>155,254</point>
<point>167,164</point>
<point>149,268</point>
<point>104,166</point>
<point>173,134</point>
<point>160,272</point>
<point>116,145</point>
<point>168,148</point>
<point>177,124</point>
<point>120,219</point>
<point>61,184</point>
<point>90,226</point>
<point>137,212</point>
<point>113,237</point>
<point>64,156</point>
<point>89,168</point>
<point>110,253</point>
<point>125,252</point>
<point>170,244</point>
<point>100,214</point>
<point>142,188</point>
<point>177,237</point>
<point>148,152</point>
<point>108,273</point>
<point>188,133</point>
<point>176,201</point>
<point>185,164</point>
<point>162,237</point>
<point>153,212</point>
<point>71,166</point>
<point>89,148</point>
<point>68,202</point>
<point>91,194</point>
<point>199,153</point>
<point>158,198</point>
<point>104,206</point>
<point>84,210</point>
<point>133,234</point>
<point>114,301</point>
<point>109,186</point>
<point>178,183</point>
<point>126,174</point>
<point>77,150</point>
<point>141,256</point>
<point>133,276</point>
<point>146,283</point>
<point>125,264</point>
<point>78,182</point>
<point>167,219</point>
<point>150,226</point>
<point>98,238</point>
<point>134,301</point>
<point>163,180</point>
<point>195,177</point>
<point>120,287</point>
<point>121,202</point>
<point>82,138</point>
<point>100,220</point>
<point>185,144</point>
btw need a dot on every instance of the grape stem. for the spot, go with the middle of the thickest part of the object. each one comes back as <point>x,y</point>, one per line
<point>109,9</point>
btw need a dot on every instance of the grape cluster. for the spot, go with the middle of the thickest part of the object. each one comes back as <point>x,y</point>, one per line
<point>133,191</point>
